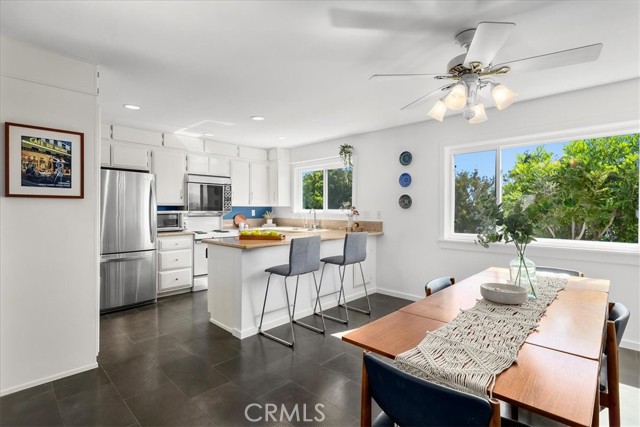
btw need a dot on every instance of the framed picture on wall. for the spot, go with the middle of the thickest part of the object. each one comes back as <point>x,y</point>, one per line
<point>43,162</point>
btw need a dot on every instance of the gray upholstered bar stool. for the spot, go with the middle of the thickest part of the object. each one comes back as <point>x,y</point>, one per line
<point>304,257</point>
<point>355,251</point>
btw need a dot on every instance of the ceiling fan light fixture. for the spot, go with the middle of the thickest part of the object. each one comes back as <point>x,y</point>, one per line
<point>503,96</point>
<point>438,110</point>
<point>457,98</point>
<point>479,115</point>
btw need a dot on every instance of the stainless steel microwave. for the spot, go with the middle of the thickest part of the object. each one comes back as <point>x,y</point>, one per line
<point>208,194</point>
<point>170,220</point>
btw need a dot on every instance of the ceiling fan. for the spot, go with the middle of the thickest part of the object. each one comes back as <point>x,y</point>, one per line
<point>474,70</point>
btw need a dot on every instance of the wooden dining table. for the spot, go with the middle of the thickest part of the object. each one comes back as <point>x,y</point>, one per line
<point>557,370</point>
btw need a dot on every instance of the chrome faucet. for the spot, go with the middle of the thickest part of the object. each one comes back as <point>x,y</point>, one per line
<point>314,225</point>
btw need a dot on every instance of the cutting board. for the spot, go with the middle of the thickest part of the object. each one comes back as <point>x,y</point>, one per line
<point>250,237</point>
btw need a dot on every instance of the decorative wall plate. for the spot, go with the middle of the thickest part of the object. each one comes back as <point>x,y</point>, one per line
<point>405,201</point>
<point>405,179</point>
<point>405,158</point>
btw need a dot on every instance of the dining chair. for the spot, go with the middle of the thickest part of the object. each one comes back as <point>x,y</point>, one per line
<point>609,368</point>
<point>304,257</point>
<point>436,285</point>
<point>560,270</point>
<point>407,400</point>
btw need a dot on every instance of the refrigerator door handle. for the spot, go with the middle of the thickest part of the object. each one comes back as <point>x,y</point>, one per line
<point>123,257</point>
<point>152,213</point>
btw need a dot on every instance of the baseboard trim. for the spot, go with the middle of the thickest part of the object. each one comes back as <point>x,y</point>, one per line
<point>45,380</point>
<point>399,294</point>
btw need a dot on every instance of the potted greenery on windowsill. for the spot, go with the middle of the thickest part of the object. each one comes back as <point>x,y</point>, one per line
<point>518,224</point>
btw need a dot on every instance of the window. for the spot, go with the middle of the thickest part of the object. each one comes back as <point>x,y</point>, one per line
<point>324,186</point>
<point>589,186</point>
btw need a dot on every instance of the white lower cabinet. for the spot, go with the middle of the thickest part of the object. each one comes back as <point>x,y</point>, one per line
<point>175,263</point>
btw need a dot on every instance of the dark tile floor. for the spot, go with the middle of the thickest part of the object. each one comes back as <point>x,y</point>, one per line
<point>165,364</point>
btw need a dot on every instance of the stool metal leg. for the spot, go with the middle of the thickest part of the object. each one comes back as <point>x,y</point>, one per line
<point>273,337</point>
<point>340,292</point>
<point>359,310</point>
<point>293,316</point>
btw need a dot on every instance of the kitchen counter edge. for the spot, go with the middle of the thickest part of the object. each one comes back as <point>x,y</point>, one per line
<point>234,242</point>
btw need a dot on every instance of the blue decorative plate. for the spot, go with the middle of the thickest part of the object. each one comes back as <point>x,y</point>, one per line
<point>405,180</point>
<point>405,201</point>
<point>405,158</point>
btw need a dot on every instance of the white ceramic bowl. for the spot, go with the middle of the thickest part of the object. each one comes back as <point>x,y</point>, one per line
<point>502,293</point>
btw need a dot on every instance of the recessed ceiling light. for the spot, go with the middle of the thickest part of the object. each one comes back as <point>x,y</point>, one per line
<point>131,107</point>
<point>209,134</point>
<point>282,138</point>
<point>257,118</point>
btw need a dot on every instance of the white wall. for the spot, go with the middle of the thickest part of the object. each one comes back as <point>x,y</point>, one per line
<point>411,250</point>
<point>48,248</point>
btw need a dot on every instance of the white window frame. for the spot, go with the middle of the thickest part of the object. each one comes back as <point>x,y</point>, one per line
<point>314,165</point>
<point>450,239</point>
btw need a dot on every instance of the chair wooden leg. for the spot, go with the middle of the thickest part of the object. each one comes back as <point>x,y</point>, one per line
<point>595,420</point>
<point>613,376</point>
<point>495,420</point>
<point>365,398</point>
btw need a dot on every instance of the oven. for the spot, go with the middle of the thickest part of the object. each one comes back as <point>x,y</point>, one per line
<point>208,195</point>
<point>204,227</point>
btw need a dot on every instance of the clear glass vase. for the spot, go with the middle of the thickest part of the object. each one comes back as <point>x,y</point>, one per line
<point>523,273</point>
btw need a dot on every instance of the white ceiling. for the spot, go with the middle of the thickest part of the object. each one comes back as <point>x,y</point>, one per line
<point>305,65</point>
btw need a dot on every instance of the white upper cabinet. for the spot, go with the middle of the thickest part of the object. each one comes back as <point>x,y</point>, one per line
<point>197,164</point>
<point>240,183</point>
<point>207,165</point>
<point>220,148</point>
<point>251,153</point>
<point>279,177</point>
<point>219,166</point>
<point>105,131</point>
<point>139,136</point>
<point>279,183</point>
<point>169,167</point>
<point>129,156</point>
<point>171,140</point>
<point>259,187</point>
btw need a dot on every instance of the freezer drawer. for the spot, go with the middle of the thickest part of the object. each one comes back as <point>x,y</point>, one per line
<point>168,280</point>
<point>126,279</point>
<point>174,259</point>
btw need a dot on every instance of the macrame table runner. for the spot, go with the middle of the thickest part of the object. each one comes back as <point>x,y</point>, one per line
<point>470,351</point>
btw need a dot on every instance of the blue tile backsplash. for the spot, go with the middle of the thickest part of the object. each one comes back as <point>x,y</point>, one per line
<point>246,210</point>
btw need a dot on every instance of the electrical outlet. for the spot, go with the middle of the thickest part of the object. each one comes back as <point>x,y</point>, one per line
<point>253,212</point>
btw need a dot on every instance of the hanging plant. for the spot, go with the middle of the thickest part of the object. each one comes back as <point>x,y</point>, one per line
<point>346,153</point>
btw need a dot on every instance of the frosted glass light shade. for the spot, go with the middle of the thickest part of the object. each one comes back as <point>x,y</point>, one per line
<point>438,110</point>
<point>503,96</point>
<point>480,115</point>
<point>457,98</point>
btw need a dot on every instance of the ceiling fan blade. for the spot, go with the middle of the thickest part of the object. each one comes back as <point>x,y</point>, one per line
<point>404,76</point>
<point>488,39</point>
<point>576,55</point>
<point>422,100</point>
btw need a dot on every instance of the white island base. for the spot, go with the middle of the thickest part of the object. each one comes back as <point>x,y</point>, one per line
<point>237,283</point>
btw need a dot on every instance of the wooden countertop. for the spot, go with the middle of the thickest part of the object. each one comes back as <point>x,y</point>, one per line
<point>175,233</point>
<point>234,242</point>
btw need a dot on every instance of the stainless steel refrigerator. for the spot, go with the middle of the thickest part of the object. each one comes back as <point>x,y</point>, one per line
<point>127,238</point>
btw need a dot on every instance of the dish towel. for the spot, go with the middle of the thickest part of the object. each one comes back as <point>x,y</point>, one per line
<point>470,351</point>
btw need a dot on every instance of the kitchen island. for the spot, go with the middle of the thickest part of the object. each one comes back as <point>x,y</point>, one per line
<point>237,280</point>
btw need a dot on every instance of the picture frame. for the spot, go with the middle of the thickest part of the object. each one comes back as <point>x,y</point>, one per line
<point>43,162</point>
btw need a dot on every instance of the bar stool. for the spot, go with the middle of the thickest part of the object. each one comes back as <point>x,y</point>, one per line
<point>304,257</point>
<point>355,251</point>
